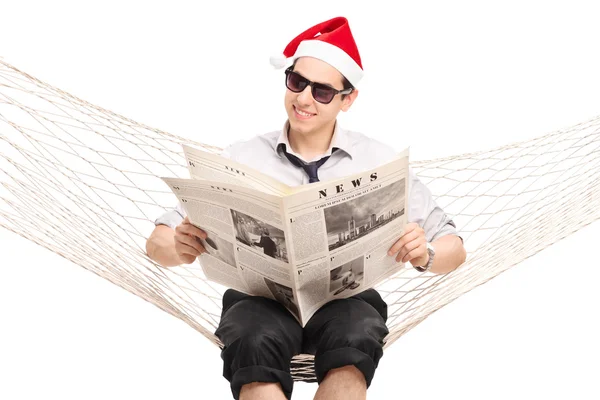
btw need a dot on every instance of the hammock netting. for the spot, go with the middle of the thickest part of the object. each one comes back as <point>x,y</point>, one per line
<point>85,183</point>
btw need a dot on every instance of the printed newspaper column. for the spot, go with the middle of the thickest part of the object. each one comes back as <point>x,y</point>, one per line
<point>342,229</point>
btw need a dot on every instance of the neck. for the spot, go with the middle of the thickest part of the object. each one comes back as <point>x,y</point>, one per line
<point>312,144</point>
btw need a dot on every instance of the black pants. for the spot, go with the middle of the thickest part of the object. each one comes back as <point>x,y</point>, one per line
<point>260,338</point>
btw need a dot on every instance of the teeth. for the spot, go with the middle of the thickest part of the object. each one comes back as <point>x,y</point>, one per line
<point>303,113</point>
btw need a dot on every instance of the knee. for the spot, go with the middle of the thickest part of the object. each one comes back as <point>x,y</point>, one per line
<point>359,339</point>
<point>260,346</point>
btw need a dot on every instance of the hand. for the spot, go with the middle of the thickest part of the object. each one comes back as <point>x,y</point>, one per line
<point>187,241</point>
<point>412,246</point>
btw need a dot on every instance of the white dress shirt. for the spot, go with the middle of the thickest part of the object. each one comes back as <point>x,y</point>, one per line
<point>355,153</point>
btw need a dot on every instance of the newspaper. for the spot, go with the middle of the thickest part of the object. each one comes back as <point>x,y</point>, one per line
<point>302,246</point>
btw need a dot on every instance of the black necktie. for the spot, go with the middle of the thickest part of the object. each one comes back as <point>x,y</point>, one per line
<point>310,168</point>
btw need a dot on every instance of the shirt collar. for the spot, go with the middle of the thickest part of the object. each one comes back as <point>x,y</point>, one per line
<point>339,141</point>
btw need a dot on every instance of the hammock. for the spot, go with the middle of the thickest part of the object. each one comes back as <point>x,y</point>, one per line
<point>84,182</point>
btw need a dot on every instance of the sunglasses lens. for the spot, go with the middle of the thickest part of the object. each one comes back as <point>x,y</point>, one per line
<point>322,93</point>
<point>295,82</point>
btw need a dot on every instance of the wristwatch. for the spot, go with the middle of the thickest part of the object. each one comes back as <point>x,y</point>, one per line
<point>431,252</point>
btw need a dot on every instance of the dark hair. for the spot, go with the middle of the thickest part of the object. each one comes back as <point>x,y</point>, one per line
<point>345,82</point>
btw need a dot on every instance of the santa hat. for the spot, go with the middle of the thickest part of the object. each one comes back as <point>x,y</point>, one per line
<point>330,41</point>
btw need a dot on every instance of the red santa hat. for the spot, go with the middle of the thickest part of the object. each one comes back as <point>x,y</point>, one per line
<point>330,41</point>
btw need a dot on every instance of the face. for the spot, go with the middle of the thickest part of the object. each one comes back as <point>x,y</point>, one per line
<point>306,115</point>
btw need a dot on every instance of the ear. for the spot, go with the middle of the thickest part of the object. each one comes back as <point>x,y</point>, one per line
<point>348,100</point>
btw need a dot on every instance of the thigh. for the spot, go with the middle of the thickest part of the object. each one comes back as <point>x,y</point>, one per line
<point>348,331</point>
<point>252,316</point>
<point>362,314</point>
<point>259,338</point>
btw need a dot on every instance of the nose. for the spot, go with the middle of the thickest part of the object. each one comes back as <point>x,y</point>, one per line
<point>305,97</point>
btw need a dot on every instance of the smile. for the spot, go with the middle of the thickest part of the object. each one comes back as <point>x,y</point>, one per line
<point>303,113</point>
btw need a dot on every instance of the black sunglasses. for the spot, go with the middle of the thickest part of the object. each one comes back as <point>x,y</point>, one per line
<point>320,92</point>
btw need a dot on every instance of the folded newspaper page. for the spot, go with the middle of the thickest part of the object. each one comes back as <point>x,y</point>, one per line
<point>302,246</point>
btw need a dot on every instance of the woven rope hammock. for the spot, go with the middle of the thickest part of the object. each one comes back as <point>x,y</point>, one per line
<point>84,182</point>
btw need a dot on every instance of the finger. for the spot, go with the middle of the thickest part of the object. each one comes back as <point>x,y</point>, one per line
<point>187,258</point>
<point>185,252</point>
<point>189,241</point>
<point>406,248</point>
<point>419,252</point>
<point>411,226</point>
<point>189,229</point>
<point>415,253</point>
<point>406,238</point>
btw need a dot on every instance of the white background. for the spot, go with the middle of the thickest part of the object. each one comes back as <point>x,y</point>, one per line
<point>443,77</point>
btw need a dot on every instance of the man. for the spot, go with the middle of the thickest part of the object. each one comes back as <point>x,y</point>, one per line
<point>346,336</point>
<point>268,245</point>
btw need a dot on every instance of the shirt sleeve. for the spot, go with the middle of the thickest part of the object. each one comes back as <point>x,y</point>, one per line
<point>171,218</point>
<point>174,217</point>
<point>423,210</point>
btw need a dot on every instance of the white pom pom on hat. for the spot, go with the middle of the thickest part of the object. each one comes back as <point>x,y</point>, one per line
<point>330,41</point>
<point>279,61</point>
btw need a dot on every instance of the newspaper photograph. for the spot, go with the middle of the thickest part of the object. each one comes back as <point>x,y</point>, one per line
<point>254,232</point>
<point>349,221</point>
<point>302,246</point>
<point>219,248</point>
<point>348,276</point>
<point>285,295</point>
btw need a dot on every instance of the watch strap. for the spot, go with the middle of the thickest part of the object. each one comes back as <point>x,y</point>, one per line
<point>427,266</point>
